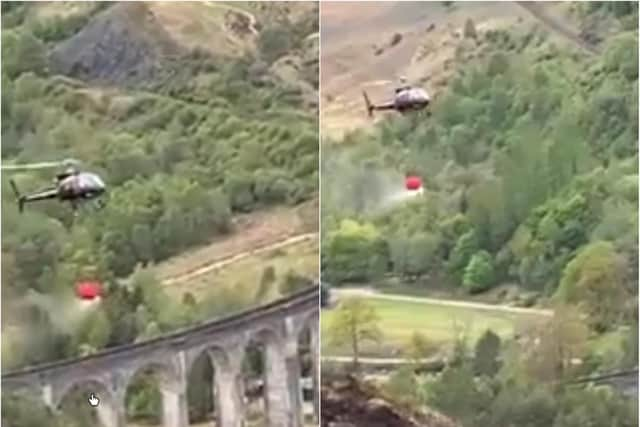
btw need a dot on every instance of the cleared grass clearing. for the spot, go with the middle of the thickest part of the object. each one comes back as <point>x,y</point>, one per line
<point>439,324</point>
<point>244,275</point>
<point>250,231</point>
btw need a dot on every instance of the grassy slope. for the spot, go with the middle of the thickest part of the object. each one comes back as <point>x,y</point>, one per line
<point>251,231</point>
<point>244,274</point>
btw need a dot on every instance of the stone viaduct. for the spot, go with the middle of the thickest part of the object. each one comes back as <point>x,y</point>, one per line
<point>276,326</point>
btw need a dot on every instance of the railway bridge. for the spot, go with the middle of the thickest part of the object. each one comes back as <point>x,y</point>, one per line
<point>277,327</point>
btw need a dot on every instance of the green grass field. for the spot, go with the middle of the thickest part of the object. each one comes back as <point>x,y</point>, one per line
<point>439,324</point>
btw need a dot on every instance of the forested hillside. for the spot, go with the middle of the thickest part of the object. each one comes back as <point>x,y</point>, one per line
<point>530,168</point>
<point>529,159</point>
<point>184,137</point>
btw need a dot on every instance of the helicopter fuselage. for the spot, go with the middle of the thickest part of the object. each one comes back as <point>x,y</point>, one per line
<point>411,99</point>
<point>406,99</point>
<point>73,187</point>
<point>79,186</point>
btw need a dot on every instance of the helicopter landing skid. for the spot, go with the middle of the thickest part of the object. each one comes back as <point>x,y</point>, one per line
<point>92,206</point>
<point>97,205</point>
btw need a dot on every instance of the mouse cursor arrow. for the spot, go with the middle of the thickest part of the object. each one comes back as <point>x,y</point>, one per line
<point>93,400</point>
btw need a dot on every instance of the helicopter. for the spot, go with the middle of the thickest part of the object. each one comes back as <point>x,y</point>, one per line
<point>71,186</point>
<point>406,98</point>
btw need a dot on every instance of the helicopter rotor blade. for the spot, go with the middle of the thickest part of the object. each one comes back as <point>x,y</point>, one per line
<point>41,165</point>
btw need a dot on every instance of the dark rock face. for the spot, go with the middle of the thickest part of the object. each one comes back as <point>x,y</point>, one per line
<point>350,405</point>
<point>124,44</point>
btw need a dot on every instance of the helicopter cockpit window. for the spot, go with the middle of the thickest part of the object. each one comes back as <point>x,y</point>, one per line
<point>90,181</point>
<point>413,95</point>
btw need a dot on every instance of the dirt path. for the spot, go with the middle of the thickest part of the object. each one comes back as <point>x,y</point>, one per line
<point>370,293</point>
<point>249,232</point>
<point>215,265</point>
<point>252,19</point>
<point>556,25</point>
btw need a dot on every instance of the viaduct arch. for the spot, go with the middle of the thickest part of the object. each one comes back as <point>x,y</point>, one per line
<point>277,326</point>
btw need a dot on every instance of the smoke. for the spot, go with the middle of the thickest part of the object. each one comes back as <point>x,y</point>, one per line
<point>65,312</point>
<point>399,196</point>
<point>363,189</point>
<point>56,314</point>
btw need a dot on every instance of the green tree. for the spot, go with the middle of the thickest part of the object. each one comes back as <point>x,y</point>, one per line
<point>355,321</point>
<point>402,385</point>
<point>414,255</point>
<point>630,344</point>
<point>273,43</point>
<point>486,355</point>
<point>470,29</point>
<point>355,252</point>
<point>419,347</point>
<point>594,281</point>
<point>294,282</point>
<point>596,406</point>
<point>479,273</point>
<point>462,252</point>
<point>515,404</point>
<point>458,395</point>
<point>21,53</point>
<point>24,412</point>
<point>267,280</point>
<point>95,330</point>
<point>550,348</point>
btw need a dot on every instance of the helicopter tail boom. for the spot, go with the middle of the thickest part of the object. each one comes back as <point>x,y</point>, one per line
<point>21,198</point>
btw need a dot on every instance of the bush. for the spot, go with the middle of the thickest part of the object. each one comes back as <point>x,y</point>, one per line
<point>479,273</point>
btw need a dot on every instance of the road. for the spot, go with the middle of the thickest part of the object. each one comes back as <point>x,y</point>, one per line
<point>370,293</point>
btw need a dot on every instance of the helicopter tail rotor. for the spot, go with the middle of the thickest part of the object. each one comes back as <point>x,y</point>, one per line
<point>20,197</point>
<point>368,103</point>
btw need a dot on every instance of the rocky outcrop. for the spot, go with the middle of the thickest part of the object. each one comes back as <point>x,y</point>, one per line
<point>123,44</point>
